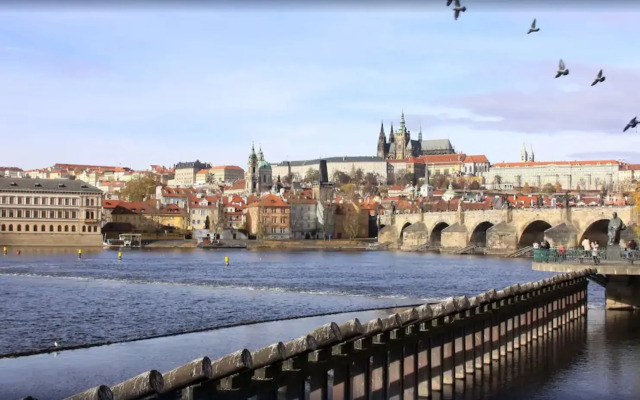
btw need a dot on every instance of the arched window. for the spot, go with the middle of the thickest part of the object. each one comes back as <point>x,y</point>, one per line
<point>59,228</point>
<point>66,228</point>
<point>35,228</point>
<point>26,228</point>
<point>10,227</point>
<point>95,229</point>
<point>19,228</point>
<point>50,228</point>
<point>3,228</point>
<point>73,228</point>
<point>84,228</point>
<point>43,228</point>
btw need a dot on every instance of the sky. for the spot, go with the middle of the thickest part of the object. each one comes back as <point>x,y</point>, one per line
<point>159,85</point>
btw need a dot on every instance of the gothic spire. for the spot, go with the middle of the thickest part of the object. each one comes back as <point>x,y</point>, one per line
<point>260,154</point>
<point>402,124</point>
<point>382,135</point>
<point>420,133</point>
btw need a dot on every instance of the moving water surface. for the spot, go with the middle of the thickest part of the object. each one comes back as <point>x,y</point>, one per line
<point>99,299</point>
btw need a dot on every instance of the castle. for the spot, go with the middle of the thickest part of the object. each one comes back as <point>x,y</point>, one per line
<point>401,146</point>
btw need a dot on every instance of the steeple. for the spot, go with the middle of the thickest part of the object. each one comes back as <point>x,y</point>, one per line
<point>252,155</point>
<point>531,156</point>
<point>382,135</point>
<point>524,157</point>
<point>382,142</point>
<point>391,135</point>
<point>403,128</point>
<point>260,154</point>
<point>420,134</point>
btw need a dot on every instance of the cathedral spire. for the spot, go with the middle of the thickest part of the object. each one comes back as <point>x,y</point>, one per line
<point>260,154</point>
<point>391,135</point>
<point>420,133</point>
<point>402,123</point>
<point>382,135</point>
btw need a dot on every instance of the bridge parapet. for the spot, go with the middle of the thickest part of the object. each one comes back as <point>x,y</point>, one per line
<point>458,335</point>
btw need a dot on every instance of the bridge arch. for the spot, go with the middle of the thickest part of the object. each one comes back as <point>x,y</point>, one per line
<point>436,233</point>
<point>533,232</point>
<point>596,231</point>
<point>405,226</point>
<point>479,233</point>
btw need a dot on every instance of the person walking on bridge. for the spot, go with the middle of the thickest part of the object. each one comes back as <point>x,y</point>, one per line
<point>594,252</point>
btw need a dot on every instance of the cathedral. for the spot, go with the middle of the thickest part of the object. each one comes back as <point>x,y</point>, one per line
<point>258,177</point>
<point>527,157</point>
<point>401,146</point>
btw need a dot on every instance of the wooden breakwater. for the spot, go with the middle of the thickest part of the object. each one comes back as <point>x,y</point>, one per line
<point>417,352</point>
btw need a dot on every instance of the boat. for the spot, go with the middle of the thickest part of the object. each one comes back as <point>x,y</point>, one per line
<point>133,240</point>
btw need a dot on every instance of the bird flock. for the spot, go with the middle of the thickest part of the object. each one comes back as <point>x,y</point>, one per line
<point>562,69</point>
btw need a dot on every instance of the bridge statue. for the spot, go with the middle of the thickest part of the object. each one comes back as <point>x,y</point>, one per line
<point>613,230</point>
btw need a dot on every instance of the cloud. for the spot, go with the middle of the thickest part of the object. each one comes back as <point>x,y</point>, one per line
<point>566,103</point>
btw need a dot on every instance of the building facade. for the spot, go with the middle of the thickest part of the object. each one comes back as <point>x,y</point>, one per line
<point>303,218</point>
<point>346,164</point>
<point>400,145</point>
<point>226,174</point>
<point>571,175</point>
<point>185,172</point>
<point>62,212</point>
<point>269,218</point>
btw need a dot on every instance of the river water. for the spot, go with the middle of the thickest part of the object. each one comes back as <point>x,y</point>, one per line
<point>99,299</point>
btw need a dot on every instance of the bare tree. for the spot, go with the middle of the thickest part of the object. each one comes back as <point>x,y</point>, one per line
<point>351,220</point>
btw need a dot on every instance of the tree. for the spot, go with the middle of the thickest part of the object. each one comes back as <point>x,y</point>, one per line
<point>497,180</point>
<point>439,181</point>
<point>312,175</point>
<point>207,223</point>
<point>357,175</point>
<point>340,177</point>
<point>370,179</point>
<point>351,220</point>
<point>348,190</point>
<point>548,189</point>
<point>139,188</point>
<point>474,185</point>
<point>287,179</point>
<point>558,187</point>
<point>526,188</point>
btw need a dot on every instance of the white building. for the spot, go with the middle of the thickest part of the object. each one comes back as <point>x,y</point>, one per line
<point>346,164</point>
<point>588,175</point>
<point>304,218</point>
<point>185,172</point>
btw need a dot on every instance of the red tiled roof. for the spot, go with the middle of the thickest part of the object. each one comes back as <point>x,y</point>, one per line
<point>476,159</point>
<point>270,200</point>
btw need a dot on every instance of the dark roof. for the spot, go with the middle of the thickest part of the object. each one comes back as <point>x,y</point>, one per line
<point>330,160</point>
<point>46,185</point>
<point>118,227</point>
<point>436,144</point>
<point>193,164</point>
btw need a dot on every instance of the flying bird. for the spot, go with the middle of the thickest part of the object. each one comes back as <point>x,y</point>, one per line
<point>449,2</point>
<point>599,78</point>
<point>562,70</point>
<point>631,124</point>
<point>457,9</point>
<point>533,27</point>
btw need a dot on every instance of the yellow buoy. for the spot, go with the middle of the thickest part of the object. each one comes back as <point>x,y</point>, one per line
<point>79,253</point>
<point>4,250</point>
<point>226,260</point>
<point>119,255</point>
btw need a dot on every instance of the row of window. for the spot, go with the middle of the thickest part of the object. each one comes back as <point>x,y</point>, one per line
<point>279,230</point>
<point>43,228</point>
<point>51,201</point>
<point>50,214</point>
<point>283,220</point>
<point>274,210</point>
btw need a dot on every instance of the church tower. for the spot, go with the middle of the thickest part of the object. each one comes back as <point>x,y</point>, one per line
<point>251,176</point>
<point>401,139</point>
<point>382,142</point>
<point>531,156</point>
<point>420,134</point>
<point>392,138</point>
<point>524,157</point>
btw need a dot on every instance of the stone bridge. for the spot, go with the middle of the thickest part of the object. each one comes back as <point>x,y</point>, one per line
<point>502,231</point>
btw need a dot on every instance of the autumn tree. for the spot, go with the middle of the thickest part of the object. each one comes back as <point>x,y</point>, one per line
<point>558,187</point>
<point>351,220</point>
<point>340,177</point>
<point>348,190</point>
<point>439,181</point>
<point>526,188</point>
<point>140,188</point>
<point>357,175</point>
<point>312,175</point>
<point>497,180</point>
<point>548,189</point>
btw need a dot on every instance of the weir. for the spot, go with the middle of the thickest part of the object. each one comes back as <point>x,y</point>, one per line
<point>420,352</point>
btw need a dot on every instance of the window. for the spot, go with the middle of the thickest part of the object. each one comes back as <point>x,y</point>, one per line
<point>36,200</point>
<point>74,202</point>
<point>19,228</point>
<point>27,214</point>
<point>66,228</point>
<point>19,200</point>
<point>66,202</point>
<point>95,229</point>
<point>4,213</point>
<point>84,228</point>
<point>10,213</point>
<point>59,228</point>
<point>3,227</point>
<point>43,228</point>
<point>10,228</point>
<point>27,200</point>
<point>66,214</point>
<point>93,202</point>
<point>73,228</point>
<point>60,214</point>
<point>50,228</point>
<point>26,228</point>
<point>74,215</point>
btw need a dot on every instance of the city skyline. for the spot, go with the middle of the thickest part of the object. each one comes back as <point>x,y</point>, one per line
<point>134,88</point>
